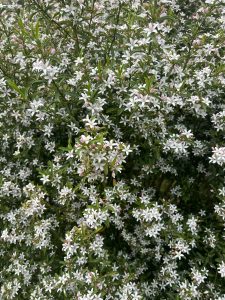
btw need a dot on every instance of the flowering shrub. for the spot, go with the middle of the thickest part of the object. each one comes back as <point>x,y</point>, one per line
<point>112,125</point>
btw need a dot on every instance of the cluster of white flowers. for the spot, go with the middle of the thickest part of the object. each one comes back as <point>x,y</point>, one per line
<point>112,123</point>
<point>48,72</point>
<point>219,120</point>
<point>97,156</point>
<point>218,156</point>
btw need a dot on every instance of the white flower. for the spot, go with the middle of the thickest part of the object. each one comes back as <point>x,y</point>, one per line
<point>127,149</point>
<point>85,139</point>
<point>221,269</point>
<point>198,276</point>
<point>218,156</point>
<point>69,154</point>
<point>90,122</point>
<point>192,224</point>
<point>45,179</point>
<point>152,28</point>
<point>222,192</point>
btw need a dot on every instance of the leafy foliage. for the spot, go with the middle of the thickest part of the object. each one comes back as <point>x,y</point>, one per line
<point>112,122</point>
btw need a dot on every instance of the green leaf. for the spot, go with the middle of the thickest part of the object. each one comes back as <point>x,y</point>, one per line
<point>106,169</point>
<point>13,85</point>
<point>22,27</point>
<point>165,186</point>
<point>69,147</point>
<point>37,26</point>
<point>23,92</point>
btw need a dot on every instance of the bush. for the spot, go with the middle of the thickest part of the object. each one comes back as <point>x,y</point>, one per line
<point>112,123</point>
